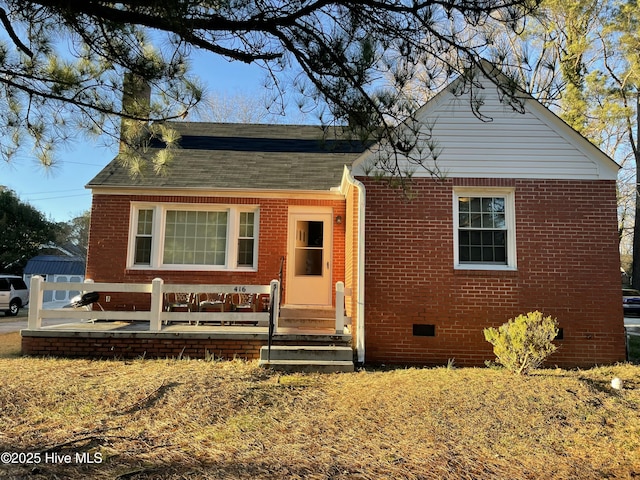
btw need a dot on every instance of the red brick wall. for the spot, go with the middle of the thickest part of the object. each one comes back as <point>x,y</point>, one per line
<point>135,346</point>
<point>109,232</point>
<point>568,267</point>
<point>174,345</point>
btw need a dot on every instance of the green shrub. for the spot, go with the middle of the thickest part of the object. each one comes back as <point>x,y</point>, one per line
<point>524,342</point>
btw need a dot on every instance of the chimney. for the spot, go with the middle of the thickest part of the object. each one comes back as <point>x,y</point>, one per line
<point>136,101</point>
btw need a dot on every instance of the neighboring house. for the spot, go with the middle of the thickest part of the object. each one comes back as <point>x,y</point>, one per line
<point>56,268</point>
<point>522,218</point>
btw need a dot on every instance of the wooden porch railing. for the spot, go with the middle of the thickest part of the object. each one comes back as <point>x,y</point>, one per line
<point>341,318</point>
<point>156,315</point>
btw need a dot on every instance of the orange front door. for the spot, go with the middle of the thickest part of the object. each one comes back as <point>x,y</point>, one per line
<point>309,259</point>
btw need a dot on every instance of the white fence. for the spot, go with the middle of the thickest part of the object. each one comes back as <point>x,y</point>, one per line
<point>341,317</point>
<point>156,315</point>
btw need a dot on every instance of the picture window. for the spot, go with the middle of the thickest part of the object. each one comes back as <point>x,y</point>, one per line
<point>171,236</point>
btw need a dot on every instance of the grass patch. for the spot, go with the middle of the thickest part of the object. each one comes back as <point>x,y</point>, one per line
<point>174,419</point>
<point>10,345</point>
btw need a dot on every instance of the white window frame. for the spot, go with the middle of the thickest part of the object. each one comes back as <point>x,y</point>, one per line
<point>510,218</point>
<point>158,233</point>
<point>253,238</point>
<point>135,235</point>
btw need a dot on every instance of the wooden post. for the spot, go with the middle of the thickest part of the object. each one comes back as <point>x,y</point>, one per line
<point>89,281</point>
<point>36,295</point>
<point>155,321</point>
<point>339,308</point>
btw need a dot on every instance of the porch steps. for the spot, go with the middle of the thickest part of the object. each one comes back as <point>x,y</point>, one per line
<point>307,317</point>
<point>301,358</point>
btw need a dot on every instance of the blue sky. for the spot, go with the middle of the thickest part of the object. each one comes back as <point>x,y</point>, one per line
<point>60,194</point>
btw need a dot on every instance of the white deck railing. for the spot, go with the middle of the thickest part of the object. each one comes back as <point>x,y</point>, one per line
<point>341,318</point>
<point>156,315</point>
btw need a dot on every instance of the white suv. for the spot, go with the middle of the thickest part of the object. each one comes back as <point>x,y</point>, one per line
<point>14,294</point>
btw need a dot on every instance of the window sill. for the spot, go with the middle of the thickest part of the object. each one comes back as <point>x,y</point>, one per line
<point>203,268</point>
<point>484,266</point>
<point>485,270</point>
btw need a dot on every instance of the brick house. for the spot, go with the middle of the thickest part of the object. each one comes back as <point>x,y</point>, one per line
<point>521,218</point>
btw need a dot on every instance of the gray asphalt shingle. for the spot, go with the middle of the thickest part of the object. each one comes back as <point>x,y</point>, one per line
<point>246,156</point>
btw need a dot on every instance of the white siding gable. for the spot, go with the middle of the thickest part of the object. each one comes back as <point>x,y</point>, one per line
<point>505,144</point>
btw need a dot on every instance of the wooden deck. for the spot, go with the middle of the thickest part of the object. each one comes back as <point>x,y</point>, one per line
<point>181,329</point>
<point>158,333</point>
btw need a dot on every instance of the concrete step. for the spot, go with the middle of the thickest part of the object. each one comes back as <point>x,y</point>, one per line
<point>308,366</point>
<point>307,352</point>
<point>299,358</point>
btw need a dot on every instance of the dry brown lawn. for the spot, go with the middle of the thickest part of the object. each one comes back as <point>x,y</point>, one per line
<point>10,345</point>
<point>188,419</point>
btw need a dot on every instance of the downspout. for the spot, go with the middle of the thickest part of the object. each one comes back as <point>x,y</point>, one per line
<point>360,266</point>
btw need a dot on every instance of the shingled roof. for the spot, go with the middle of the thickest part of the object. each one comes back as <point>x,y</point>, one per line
<point>246,156</point>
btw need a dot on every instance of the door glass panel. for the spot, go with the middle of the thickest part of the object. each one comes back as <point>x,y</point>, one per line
<point>309,251</point>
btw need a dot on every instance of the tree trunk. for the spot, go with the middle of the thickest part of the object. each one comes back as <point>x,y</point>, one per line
<point>635,275</point>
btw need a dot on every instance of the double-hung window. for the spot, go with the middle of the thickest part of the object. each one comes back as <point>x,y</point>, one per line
<point>144,230</point>
<point>484,224</point>
<point>193,237</point>
<point>246,239</point>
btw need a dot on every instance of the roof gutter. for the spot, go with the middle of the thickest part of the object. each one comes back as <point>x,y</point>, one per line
<point>360,260</point>
<point>208,192</point>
